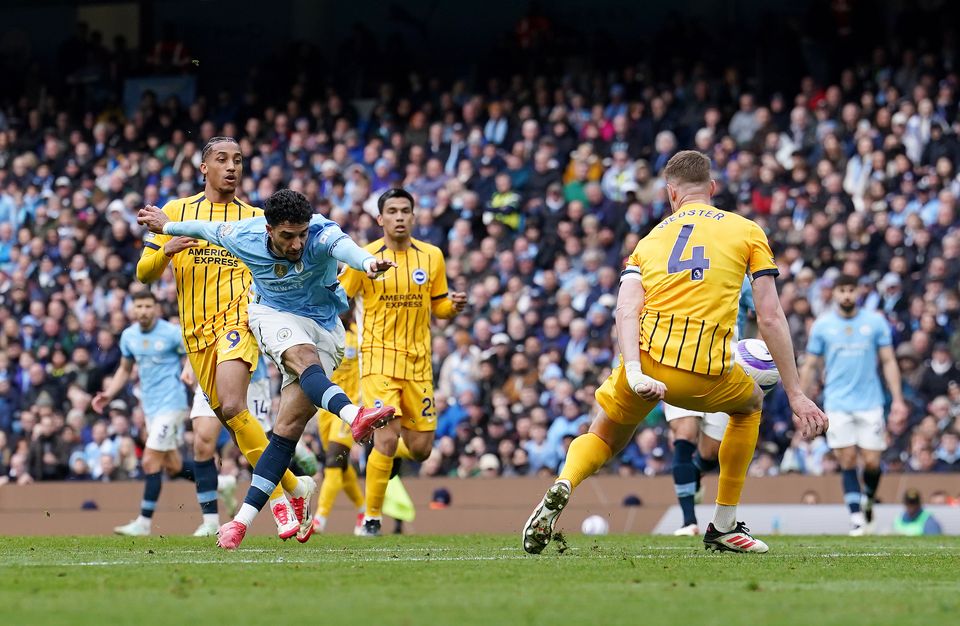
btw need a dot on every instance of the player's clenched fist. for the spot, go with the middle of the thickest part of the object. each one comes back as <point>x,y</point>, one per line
<point>642,385</point>
<point>459,300</point>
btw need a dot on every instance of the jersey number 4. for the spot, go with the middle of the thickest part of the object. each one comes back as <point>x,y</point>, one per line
<point>697,264</point>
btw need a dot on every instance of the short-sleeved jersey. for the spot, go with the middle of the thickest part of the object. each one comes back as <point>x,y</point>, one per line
<point>347,375</point>
<point>157,354</point>
<point>394,310</point>
<point>850,347</point>
<point>307,287</point>
<point>692,267</point>
<point>213,285</point>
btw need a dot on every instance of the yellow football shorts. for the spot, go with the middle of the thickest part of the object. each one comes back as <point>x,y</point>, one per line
<point>332,429</point>
<point>234,343</point>
<point>697,392</point>
<point>413,399</point>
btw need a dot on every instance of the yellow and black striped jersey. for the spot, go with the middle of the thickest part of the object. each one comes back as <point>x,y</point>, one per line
<point>213,286</point>
<point>691,267</point>
<point>394,310</point>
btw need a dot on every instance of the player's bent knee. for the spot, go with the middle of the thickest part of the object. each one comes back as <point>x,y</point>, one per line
<point>298,358</point>
<point>231,406</point>
<point>337,457</point>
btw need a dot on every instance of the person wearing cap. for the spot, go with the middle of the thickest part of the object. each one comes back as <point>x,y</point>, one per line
<point>915,521</point>
<point>850,344</point>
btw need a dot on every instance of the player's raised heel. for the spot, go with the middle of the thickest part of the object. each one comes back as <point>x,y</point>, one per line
<point>538,530</point>
<point>370,419</point>
<point>301,508</point>
<point>737,540</point>
<point>287,523</point>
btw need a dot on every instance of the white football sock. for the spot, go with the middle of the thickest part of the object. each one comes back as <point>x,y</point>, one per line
<point>725,518</point>
<point>246,514</point>
<point>144,521</point>
<point>211,519</point>
<point>301,489</point>
<point>349,413</point>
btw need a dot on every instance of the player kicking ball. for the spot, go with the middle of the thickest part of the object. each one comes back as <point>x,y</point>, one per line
<point>675,316</point>
<point>292,255</point>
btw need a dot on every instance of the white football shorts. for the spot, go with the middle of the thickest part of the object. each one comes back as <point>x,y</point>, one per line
<point>278,331</point>
<point>711,424</point>
<point>864,429</point>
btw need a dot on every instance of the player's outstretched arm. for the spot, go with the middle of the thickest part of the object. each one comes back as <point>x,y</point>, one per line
<point>346,250</point>
<point>117,382</point>
<point>773,328</point>
<point>630,301</point>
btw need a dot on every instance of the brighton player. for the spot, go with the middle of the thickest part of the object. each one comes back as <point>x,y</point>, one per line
<point>292,255</point>
<point>849,342</point>
<point>156,347</point>
<point>696,440</point>
<point>213,289</point>
<point>259,401</point>
<point>675,318</point>
<point>395,345</point>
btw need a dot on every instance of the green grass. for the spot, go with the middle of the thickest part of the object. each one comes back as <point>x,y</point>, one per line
<point>477,580</point>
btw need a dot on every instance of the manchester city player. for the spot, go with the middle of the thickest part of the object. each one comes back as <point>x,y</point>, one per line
<point>293,257</point>
<point>849,342</point>
<point>156,346</point>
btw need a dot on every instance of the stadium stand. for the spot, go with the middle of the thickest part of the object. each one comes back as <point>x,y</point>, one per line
<point>536,190</point>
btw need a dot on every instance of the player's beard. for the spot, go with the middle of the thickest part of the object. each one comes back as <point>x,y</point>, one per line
<point>848,308</point>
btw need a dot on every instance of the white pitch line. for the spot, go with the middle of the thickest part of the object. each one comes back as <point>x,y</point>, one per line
<point>477,558</point>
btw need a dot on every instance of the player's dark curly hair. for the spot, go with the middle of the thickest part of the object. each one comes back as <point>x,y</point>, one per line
<point>213,141</point>
<point>287,206</point>
<point>390,194</point>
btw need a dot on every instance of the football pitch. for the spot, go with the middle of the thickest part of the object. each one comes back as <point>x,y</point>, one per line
<point>477,580</point>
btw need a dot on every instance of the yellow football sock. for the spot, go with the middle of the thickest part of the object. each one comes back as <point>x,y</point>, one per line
<point>378,474</point>
<point>403,451</point>
<point>587,454</point>
<point>252,441</point>
<point>736,452</point>
<point>351,486</point>
<point>332,483</point>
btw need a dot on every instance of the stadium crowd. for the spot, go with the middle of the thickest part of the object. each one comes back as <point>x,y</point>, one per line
<point>536,191</point>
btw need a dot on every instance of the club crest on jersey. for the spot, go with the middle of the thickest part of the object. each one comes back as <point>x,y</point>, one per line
<point>419,276</point>
<point>279,270</point>
<point>158,346</point>
<point>283,334</point>
<point>298,267</point>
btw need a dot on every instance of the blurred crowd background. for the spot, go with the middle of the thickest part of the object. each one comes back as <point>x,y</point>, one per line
<point>536,173</point>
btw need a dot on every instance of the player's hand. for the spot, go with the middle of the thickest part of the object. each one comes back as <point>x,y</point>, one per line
<point>99,402</point>
<point>899,410</point>
<point>178,244</point>
<point>642,385</point>
<point>808,418</point>
<point>379,266</point>
<point>459,300</point>
<point>187,377</point>
<point>152,218</point>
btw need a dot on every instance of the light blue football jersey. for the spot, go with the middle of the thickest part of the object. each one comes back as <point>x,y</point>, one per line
<point>157,354</point>
<point>307,287</point>
<point>850,350</point>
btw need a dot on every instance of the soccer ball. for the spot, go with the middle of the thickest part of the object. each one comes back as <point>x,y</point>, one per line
<point>755,359</point>
<point>594,525</point>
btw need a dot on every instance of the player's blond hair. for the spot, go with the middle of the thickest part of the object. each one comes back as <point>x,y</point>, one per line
<point>687,166</point>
